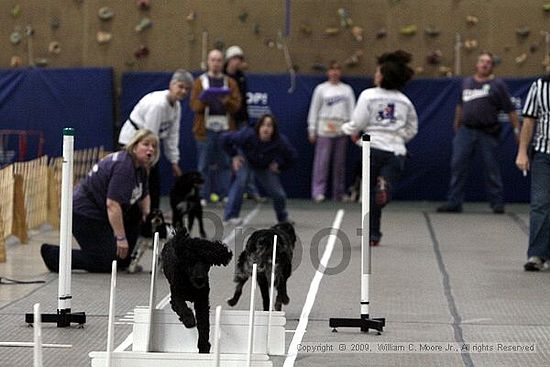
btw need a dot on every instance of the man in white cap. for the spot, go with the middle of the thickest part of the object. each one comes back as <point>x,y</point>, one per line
<point>160,112</point>
<point>234,65</point>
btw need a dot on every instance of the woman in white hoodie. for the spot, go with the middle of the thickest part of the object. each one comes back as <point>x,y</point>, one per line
<point>389,117</point>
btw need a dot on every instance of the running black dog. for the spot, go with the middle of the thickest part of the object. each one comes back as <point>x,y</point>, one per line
<point>259,250</point>
<point>185,200</point>
<point>186,263</point>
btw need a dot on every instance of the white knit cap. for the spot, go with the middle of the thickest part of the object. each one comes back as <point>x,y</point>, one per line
<point>233,51</point>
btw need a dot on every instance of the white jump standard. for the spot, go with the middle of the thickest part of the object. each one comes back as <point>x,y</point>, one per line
<point>64,316</point>
<point>365,322</point>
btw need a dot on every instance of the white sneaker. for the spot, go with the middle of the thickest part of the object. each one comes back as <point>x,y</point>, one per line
<point>534,263</point>
<point>204,202</point>
<point>319,198</point>
<point>234,221</point>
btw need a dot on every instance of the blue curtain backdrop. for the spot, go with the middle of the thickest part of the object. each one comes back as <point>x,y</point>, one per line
<point>49,99</point>
<point>427,170</point>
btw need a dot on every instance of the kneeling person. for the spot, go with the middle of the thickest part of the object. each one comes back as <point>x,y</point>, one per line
<point>108,206</point>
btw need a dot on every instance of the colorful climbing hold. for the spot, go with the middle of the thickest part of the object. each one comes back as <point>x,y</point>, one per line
<point>381,33</point>
<point>41,62</point>
<point>432,31</point>
<point>16,61</point>
<point>54,48</point>
<point>16,11</point>
<point>103,37</point>
<point>523,32</point>
<point>256,28</point>
<point>143,24</point>
<point>143,4</point>
<point>521,58</point>
<point>105,13</point>
<point>357,33</point>
<point>16,37</point>
<point>434,57</point>
<point>332,31</point>
<point>409,30</point>
<point>470,44</point>
<point>345,19</point>
<point>472,20</point>
<point>141,52</point>
<point>243,16</point>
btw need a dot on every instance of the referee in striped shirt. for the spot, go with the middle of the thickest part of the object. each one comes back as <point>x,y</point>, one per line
<point>534,155</point>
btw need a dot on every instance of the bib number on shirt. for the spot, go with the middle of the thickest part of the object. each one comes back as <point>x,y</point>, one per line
<point>217,123</point>
<point>331,126</point>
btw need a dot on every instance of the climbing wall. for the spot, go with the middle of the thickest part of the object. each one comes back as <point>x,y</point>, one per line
<point>164,35</point>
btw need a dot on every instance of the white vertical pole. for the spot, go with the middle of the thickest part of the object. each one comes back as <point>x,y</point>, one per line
<point>271,291</point>
<point>217,336</point>
<point>152,295</point>
<point>204,50</point>
<point>458,48</point>
<point>112,310</point>
<point>37,323</point>
<point>251,317</point>
<point>365,225</point>
<point>66,222</point>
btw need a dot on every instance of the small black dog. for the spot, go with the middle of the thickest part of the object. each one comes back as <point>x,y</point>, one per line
<point>186,263</point>
<point>259,250</point>
<point>185,200</point>
<point>153,223</point>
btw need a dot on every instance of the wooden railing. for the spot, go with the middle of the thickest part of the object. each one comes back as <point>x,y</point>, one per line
<point>30,193</point>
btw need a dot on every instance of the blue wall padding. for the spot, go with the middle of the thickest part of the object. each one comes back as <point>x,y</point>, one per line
<point>427,170</point>
<point>48,100</point>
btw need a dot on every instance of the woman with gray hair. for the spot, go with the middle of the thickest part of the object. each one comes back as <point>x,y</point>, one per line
<point>160,112</point>
<point>103,204</point>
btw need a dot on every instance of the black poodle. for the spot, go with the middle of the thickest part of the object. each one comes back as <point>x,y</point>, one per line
<point>259,250</point>
<point>185,200</point>
<point>186,262</point>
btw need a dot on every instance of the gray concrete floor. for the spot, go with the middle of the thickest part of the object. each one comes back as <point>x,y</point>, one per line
<point>437,279</point>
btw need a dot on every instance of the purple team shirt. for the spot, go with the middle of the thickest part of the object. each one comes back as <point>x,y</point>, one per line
<point>114,177</point>
<point>481,102</point>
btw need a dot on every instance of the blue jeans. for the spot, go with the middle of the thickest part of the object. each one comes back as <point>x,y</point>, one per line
<point>389,166</point>
<point>269,181</point>
<point>213,164</point>
<point>465,143</point>
<point>539,226</point>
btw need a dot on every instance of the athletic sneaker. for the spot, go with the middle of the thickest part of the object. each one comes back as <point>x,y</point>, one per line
<point>448,208</point>
<point>534,263</point>
<point>234,221</point>
<point>319,198</point>
<point>374,243</point>
<point>204,202</point>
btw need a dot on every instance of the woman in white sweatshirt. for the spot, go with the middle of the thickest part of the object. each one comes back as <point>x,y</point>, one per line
<point>389,117</point>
